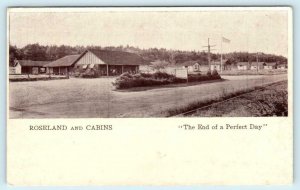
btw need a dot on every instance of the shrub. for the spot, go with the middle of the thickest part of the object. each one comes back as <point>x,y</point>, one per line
<point>127,80</point>
<point>90,73</point>
<point>161,75</point>
<point>215,73</point>
<point>208,73</point>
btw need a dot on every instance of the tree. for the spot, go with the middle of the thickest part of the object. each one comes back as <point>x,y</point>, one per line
<point>14,53</point>
<point>159,64</point>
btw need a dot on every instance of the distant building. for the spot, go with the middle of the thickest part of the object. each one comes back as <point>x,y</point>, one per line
<point>272,65</point>
<point>257,65</point>
<point>15,67</point>
<point>191,66</point>
<point>28,67</point>
<point>282,66</point>
<point>216,65</point>
<point>243,65</point>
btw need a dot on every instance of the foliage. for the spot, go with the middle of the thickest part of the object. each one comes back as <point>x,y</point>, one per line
<point>160,55</point>
<point>157,65</point>
<point>199,77</point>
<point>215,73</point>
<point>127,80</point>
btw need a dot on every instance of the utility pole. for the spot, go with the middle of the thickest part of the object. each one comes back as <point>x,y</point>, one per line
<point>208,55</point>
<point>257,62</point>
<point>221,61</point>
<point>257,53</point>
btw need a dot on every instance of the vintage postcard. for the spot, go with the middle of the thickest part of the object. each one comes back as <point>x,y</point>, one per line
<point>149,96</point>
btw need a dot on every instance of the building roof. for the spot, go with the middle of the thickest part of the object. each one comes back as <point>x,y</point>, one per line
<point>14,63</point>
<point>224,61</point>
<point>271,64</point>
<point>29,63</point>
<point>258,63</point>
<point>243,63</point>
<point>66,61</point>
<point>282,64</point>
<point>118,57</point>
<point>187,63</point>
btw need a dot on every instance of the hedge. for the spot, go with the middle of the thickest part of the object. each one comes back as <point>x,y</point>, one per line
<point>127,80</point>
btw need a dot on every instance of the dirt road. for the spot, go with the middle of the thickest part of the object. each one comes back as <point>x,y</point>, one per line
<point>95,98</point>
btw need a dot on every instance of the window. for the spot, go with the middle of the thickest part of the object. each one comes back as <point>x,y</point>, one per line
<point>196,67</point>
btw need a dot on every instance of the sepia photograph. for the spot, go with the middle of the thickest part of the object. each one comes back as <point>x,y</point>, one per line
<point>149,96</point>
<point>141,63</point>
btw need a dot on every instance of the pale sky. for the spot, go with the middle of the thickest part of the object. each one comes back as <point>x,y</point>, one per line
<point>252,31</point>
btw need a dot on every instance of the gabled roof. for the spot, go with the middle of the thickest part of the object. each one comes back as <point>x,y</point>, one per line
<point>66,61</point>
<point>29,63</point>
<point>118,57</point>
<point>14,63</point>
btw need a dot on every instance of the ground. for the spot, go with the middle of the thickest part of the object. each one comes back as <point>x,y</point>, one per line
<point>96,98</point>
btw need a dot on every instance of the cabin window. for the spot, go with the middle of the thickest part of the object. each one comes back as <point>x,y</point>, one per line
<point>43,70</point>
<point>196,67</point>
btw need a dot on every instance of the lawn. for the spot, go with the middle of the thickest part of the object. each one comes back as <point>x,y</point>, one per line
<point>254,72</point>
<point>269,101</point>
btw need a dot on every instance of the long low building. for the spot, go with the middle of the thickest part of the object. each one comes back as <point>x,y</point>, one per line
<point>27,67</point>
<point>105,62</point>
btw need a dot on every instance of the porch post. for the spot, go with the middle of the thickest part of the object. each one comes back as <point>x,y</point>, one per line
<point>122,70</point>
<point>107,69</point>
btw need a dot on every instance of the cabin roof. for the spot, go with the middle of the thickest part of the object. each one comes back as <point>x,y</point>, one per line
<point>118,57</point>
<point>66,61</point>
<point>29,63</point>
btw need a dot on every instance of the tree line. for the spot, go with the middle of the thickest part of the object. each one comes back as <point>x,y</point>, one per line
<point>37,52</point>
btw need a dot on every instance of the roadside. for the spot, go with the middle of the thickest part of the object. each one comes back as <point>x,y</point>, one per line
<point>254,72</point>
<point>271,100</point>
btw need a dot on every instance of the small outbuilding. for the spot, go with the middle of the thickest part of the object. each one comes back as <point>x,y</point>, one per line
<point>257,65</point>
<point>282,66</point>
<point>191,66</point>
<point>15,68</point>
<point>28,67</point>
<point>272,65</point>
<point>243,65</point>
<point>216,65</point>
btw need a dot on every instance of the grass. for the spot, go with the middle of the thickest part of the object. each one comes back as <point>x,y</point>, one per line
<point>270,100</point>
<point>26,78</point>
<point>254,72</point>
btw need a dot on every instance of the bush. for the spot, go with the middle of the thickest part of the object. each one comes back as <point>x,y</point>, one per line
<point>208,73</point>
<point>215,73</point>
<point>127,80</point>
<point>161,75</point>
<point>90,73</point>
<point>199,77</point>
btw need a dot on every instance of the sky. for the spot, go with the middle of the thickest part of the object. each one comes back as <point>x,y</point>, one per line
<point>249,31</point>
